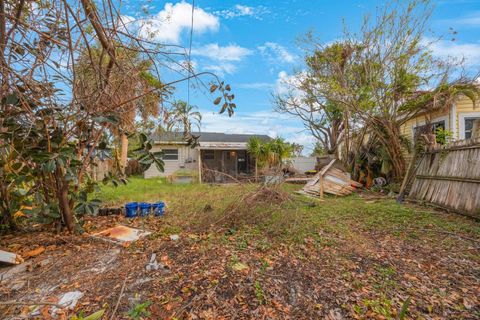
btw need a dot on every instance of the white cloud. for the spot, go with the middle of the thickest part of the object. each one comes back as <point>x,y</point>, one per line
<point>221,60</point>
<point>256,85</point>
<point>282,83</point>
<point>168,25</point>
<point>469,52</point>
<point>213,51</point>
<point>287,83</point>
<point>470,20</point>
<point>221,69</point>
<point>241,11</point>
<point>275,53</point>
<point>260,122</point>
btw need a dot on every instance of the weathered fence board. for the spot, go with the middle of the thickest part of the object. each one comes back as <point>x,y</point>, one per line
<point>450,177</point>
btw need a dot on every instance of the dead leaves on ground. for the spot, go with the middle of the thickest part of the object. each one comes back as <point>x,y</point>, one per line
<point>216,276</point>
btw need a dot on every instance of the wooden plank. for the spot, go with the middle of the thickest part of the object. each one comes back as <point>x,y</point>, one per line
<point>200,166</point>
<point>460,179</point>
<point>449,177</point>
<point>320,182</point>
<point>10,258</point>
<point>325,169</point>
<point>459,148</point>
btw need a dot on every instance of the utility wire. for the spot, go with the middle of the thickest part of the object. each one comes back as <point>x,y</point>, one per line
<point>190,54</point>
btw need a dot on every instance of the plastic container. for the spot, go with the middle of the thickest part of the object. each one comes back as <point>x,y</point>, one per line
<point>144,208</point>
<point>158,208</point>
<point>131,209</point>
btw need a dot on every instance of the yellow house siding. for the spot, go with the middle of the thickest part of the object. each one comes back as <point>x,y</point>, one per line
<point>454,119</point>
<point>407,128</point>
<point>464,109</point>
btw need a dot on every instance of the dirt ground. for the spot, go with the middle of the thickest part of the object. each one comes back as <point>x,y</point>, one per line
<point>367,272</point>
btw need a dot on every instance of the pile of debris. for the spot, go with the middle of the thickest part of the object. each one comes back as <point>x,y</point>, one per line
<point>330,180</point>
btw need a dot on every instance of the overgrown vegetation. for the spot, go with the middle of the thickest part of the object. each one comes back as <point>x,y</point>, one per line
<point>359,90</point>
<point>73,81</point>
<point>276,211</point>
<point>269,155</point>
<point>282,257</point>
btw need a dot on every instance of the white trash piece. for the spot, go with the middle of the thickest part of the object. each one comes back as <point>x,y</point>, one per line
<point>69,300</point>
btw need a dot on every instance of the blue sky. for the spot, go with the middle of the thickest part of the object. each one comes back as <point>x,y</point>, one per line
<point>253,45</point>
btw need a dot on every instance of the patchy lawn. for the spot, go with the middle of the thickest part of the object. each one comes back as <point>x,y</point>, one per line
<point>249,253</point>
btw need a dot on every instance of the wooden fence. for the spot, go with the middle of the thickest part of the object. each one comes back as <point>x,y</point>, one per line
<point>449,177</point>
<point>100,169</point>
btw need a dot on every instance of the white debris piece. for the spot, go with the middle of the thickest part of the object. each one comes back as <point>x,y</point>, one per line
<point>174,237</point>
<point>153,264</point>
<point>69,300</point>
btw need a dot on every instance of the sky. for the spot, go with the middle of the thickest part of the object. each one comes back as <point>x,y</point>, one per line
<point>254,46</point>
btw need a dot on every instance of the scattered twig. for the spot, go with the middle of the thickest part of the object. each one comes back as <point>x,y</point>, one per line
<point>184,307</point>
<point>452,234</point>
<point>444,232</point>
<point>119,298</point>
<point>33,303</point>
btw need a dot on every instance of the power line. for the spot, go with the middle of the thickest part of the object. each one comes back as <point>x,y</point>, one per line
<point>190,54</point>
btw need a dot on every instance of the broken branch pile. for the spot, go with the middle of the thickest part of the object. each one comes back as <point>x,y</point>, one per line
<point>253,207</point>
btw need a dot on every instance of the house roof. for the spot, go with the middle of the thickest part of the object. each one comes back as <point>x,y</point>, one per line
<point>207,137</point>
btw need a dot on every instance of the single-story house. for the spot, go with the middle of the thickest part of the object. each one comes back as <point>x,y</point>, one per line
<point>216,155</point>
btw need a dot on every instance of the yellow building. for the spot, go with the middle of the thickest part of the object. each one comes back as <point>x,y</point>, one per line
<point>457,119</point>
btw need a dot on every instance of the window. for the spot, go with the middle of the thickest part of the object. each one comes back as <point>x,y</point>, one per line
<point>170,154</point>
<point>426,127</point>
<point>208,154</point>
<point>469,126</point>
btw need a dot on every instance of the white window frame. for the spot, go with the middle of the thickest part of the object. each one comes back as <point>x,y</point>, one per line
<point>178,154</point>
<point>453,121</point>
<point>461,121</point>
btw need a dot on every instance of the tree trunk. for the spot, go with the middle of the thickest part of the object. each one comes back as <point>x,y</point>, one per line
<point>410,172</point>
<point>394,149</point>
<point>6,215</point>
<point>67,212</point>
<point>62,187</point>
<point>256,170</point>
<point>123,152</point>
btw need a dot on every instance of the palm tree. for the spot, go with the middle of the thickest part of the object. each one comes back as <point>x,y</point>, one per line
<point>268,153</point>
<point>182,116</point>
<point>297,149</point>
<point>254,147</point>
<point>279,150</point>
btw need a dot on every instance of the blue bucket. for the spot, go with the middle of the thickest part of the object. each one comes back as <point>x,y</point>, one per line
<point>131,209</point>
<point>158,208</point>
<point>145,208</point>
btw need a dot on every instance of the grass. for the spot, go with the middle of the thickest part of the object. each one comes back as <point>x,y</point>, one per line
<point>140,189</point>
<point>293,221</point>
<point>297,258</point>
